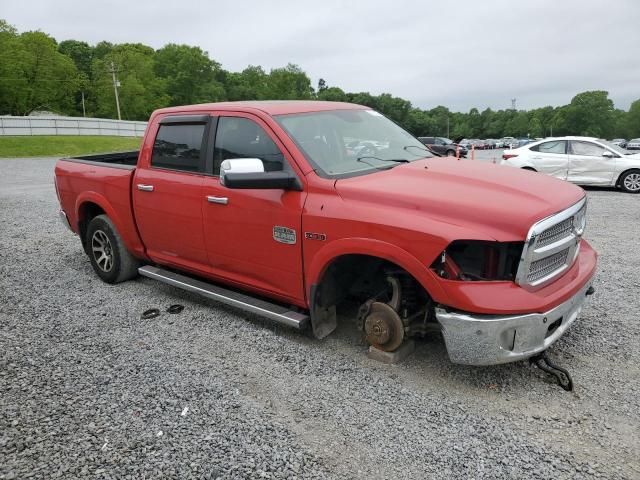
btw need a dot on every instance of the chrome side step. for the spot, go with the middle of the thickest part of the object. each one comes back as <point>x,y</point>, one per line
<point>235,299</point>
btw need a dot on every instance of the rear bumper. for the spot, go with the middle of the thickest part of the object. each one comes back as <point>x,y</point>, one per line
<point>492,339</point>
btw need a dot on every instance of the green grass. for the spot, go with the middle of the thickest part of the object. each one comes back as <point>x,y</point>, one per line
<point>64,145</point>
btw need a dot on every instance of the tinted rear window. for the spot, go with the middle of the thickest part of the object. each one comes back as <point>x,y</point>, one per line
<point>179,147</point>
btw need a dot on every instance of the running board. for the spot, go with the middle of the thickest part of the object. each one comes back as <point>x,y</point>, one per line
<point>239,300</point>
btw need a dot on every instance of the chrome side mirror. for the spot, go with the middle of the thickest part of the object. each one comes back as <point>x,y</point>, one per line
<point>240,165</point>
<point>608,154</point>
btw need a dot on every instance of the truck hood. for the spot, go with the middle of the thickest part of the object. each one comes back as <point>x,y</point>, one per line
<point>491,200</point>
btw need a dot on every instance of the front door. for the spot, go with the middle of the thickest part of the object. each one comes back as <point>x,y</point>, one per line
<point>253,237</point>
<point>588,166</point>
<point>167,193</point>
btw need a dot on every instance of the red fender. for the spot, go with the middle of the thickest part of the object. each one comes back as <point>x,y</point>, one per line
<point>375,248</point>
<point>125,226</point>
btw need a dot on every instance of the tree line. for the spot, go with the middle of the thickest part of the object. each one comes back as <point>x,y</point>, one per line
<point>74,78</point>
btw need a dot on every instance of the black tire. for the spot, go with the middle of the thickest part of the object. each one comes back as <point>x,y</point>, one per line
<point>529,169</point>
<point>451,153</point>
<point>109,257</point>
<point>630,181</point>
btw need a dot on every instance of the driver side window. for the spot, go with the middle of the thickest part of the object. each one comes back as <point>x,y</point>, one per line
<point>238,137</point>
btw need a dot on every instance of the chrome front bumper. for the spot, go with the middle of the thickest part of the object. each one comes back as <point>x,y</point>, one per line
<point>492,339</point>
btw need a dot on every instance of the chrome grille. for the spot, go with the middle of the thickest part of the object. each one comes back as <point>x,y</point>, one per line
<point>551,247</point>
<point>556,232</point>
<point>545,266</point>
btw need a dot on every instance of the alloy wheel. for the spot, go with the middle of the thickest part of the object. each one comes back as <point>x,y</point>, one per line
<point>632,182</point>
<point>102,251</point>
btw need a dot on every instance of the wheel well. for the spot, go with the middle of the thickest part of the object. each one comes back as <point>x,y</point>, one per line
<point>87,212</point>
<point>531,169</point>
<point>624,173</point>
<point>350,280</point>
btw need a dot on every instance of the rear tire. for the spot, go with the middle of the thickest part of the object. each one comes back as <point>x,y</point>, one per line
<point>630,181</point>
<point>451,153</point>
<point>109,257</point>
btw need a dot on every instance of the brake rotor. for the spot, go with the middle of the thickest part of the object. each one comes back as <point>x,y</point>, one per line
<point>383,327</point>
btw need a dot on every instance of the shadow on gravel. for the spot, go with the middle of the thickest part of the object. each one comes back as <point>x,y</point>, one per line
<point>429,364</point>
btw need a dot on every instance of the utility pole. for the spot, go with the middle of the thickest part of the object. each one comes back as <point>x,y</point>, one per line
<point>447,126</point>
<point>116,84</point>
<point>84,112</point>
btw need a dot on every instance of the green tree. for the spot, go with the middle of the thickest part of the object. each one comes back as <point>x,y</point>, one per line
<point>332,94</point>
<point>140,92</point>
<point>289,83</point>
<point>189,75</point>
<point>250,84</point>
<point>632,121</point>
<point>591,114</point>
<point>39,76</point>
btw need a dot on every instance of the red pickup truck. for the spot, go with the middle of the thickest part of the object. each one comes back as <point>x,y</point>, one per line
<point>308,212</point>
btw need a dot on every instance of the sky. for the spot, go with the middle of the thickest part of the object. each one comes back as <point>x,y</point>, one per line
<point>456,53</point>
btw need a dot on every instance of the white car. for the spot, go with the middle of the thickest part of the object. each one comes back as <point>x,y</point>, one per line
<point>580,160</point>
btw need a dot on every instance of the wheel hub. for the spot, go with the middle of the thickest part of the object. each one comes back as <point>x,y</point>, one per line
<point>383,327</point>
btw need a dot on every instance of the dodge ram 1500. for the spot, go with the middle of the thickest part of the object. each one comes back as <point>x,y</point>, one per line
<point>306,212</point>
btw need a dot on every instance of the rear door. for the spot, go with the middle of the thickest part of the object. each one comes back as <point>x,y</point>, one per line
<point>551,158</point>
<point>588,166</point>
<point>167,192</point>
<point>253,237</point>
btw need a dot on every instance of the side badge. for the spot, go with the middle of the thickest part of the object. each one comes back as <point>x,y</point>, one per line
<point>284,235</point>
<point>315,236</point>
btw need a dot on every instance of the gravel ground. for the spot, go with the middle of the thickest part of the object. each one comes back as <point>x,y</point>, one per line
<point>88,390</point>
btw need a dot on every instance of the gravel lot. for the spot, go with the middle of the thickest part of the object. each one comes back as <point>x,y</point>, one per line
<point>88,390</point>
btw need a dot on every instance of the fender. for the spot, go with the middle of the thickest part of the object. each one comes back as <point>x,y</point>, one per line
<point>127,231</point>
<point>322,320</point>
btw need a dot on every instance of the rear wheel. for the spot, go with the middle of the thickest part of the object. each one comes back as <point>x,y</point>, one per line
<point>630,181</point>
<point>451,153</point>
<point>109,257</point>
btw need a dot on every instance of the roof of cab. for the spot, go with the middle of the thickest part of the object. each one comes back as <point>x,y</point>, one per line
<point>271,107</point>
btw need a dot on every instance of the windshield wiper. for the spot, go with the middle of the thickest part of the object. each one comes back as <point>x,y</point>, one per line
<point>396,160</point>
<point>407,147</point>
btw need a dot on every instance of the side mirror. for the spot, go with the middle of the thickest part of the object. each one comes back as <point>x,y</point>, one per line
<point>608,154</point>
<point>248,173</point>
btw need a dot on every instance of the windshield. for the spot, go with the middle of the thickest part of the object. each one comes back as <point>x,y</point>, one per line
<point>344,142</point>
<point>614,147</point>
<point>446,140</point>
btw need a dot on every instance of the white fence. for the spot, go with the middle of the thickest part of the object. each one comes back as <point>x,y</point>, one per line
<point>53,125</point>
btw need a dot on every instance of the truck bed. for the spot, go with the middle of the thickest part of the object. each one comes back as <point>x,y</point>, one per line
<point>117,159</point>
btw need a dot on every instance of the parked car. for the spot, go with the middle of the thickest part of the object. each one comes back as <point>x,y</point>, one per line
<point>508,142</point>
<point>633,144</point>
<point>466,143</point>
<point>443,146</point>
<point>580,160</point>
<point>621,142</point>
<point>257,205</point>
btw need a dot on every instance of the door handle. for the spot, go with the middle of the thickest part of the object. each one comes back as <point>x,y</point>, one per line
<point>145,188</point>
<point>218,200</point>
<point>536,158</point>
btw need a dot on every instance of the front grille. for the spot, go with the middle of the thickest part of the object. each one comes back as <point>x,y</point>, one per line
<point>558,231</point>
<point>546,266</point>
<point>551,247</point>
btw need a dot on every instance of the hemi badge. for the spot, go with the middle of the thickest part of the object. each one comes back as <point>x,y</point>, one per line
<point>284,235</point>
<point>315,236</point>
